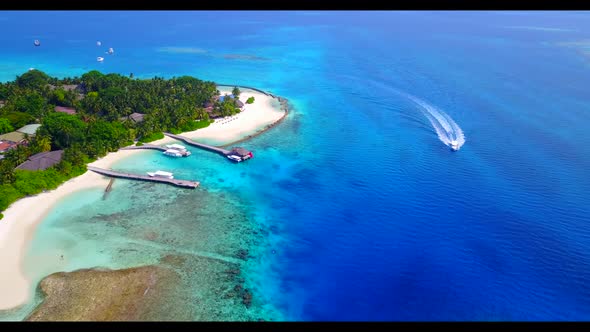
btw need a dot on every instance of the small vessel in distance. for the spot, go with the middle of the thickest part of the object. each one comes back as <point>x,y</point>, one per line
<point>111,51</point>
<point>100,59</point>
<point>454,145</point>
<point>98,43</point>
<point>161,174</point>
<point>37,42</point>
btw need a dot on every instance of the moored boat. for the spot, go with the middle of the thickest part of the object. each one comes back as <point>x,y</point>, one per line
<point>234,158</point>
<point>178,149</point>
<point>161,174</point>
<point>172,153</point>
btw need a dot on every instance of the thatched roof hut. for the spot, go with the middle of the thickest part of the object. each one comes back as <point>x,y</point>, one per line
<point>136,117</point>
<point>68,110</point>
<point>240,152</point>
<point>14,136</point>
<point>30,129</point>
<point>42,161</point>
<point>6,145</point>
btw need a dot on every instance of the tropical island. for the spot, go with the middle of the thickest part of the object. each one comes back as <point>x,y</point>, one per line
<point>51,129</point>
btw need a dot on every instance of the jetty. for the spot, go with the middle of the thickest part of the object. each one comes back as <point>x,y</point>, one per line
<point>145,147</point>
<point>115,174</point>
<point>189,141</point>
<point>108,188</point>
<point>175,151</point>
<point>236,154</point>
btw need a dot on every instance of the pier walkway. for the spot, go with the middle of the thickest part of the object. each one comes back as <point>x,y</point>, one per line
<point>145,147</point>
<point>115,174</point>
<point>188,141</point>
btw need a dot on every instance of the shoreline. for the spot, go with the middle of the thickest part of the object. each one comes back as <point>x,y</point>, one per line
<point>23,216</point>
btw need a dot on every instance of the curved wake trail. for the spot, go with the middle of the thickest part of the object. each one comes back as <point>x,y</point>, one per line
<point>446,129</point>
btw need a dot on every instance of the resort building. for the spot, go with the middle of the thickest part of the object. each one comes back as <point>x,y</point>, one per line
<point>30,129</point>
<point>134,117</point>
<point>14,137</point>
<point>5,146</point>
<point>68,110</point>
<point>237,102</point>
<point>239,154</point>
<point>42,161</point>
<point>137,117</point>
<point>70,87</point>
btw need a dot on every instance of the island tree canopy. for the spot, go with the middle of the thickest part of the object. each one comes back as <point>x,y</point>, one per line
<point>101,124</point>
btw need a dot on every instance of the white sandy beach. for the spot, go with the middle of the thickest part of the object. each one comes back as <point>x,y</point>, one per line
<point>264,111</point>
<point>19,223</point>
<point>22,217</point>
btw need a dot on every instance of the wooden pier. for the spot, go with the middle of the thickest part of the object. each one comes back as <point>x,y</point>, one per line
<point>108,189</point>
<point>145,147</point>
<point>188,141</point>
<point>115,174</point>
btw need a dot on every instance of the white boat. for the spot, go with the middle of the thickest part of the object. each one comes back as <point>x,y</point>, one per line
<point>454,145</point>
<point>172,153</point>
<point>98,43</point>
<point>111,51</point>
<point>100,59</point>
<point>37,42</point>
<point>161,174</point>
<point>176,147</point>
<point>234,158</point>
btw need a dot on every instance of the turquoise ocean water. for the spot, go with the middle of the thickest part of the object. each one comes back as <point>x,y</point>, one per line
<point>353,208</point>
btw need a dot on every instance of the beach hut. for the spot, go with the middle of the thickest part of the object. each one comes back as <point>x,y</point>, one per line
<point>136,117</point>
<point>42,161</point>
<point>5,146</point>
<point>68,110</point>
<point>30,129</point>
<point>241,152</point>
<point>15,137</point>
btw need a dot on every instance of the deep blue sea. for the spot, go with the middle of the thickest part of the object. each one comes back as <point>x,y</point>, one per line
<point>370,214</point>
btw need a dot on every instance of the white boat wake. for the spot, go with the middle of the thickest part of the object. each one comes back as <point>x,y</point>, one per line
<point>448,131</point>
<point>446,128</point>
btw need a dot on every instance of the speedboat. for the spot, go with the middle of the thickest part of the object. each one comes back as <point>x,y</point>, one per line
<point>172,153</point>
<point>454,145</point>
<point>234,158</point>
<point>161,174</point>
<point>100,59</point>
<point>98,43</point>
<point>176,147</point>
<point>111,51</point>
<point>37,42</point>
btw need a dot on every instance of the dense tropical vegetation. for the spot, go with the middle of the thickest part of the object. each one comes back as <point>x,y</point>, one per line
<point>235,91</point>
<point>101,124</point>
<point>250,100</point>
